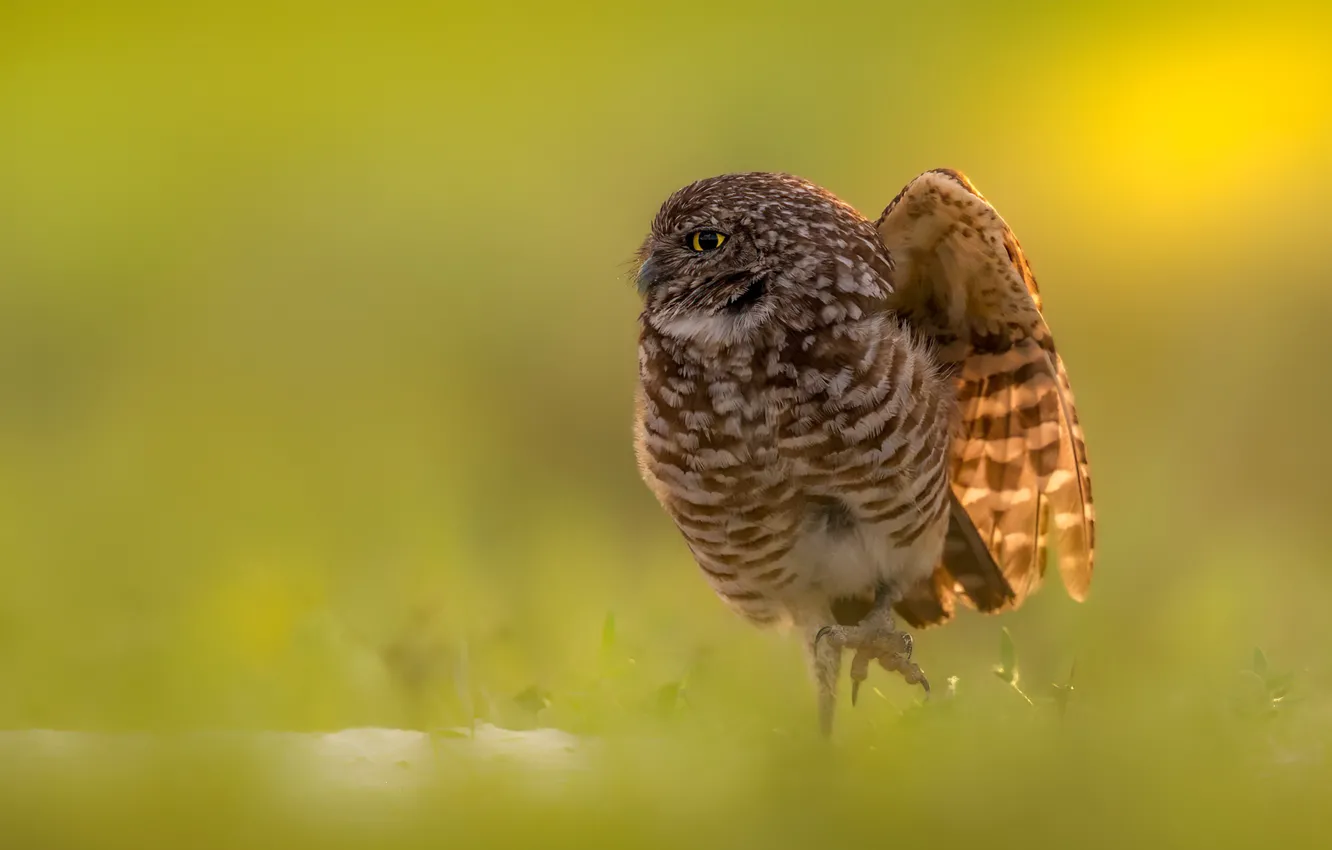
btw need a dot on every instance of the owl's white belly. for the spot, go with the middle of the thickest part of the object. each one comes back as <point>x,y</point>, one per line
<point>853,563</point>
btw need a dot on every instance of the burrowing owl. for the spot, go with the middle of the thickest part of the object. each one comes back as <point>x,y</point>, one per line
<point>848,419</point>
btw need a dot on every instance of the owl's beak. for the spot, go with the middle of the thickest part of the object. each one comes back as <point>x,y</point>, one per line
<point>649,275</point>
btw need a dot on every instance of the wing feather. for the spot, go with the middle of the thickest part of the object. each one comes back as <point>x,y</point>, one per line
<point>1019,456</point>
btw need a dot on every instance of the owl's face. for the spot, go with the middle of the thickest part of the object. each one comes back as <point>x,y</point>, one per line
<point>731,255</point>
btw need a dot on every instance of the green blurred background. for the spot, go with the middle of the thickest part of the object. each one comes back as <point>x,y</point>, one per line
<point>317,354</point>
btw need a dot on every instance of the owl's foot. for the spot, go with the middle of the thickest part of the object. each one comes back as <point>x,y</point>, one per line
<point>874,638</point>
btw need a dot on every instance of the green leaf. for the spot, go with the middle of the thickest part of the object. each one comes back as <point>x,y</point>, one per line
<point>1007,668</point>
<point>1007,651</point>
<point>533,699</point>
<point>1279,684</point>
<point>669,697</point>
<point>1259,663</point>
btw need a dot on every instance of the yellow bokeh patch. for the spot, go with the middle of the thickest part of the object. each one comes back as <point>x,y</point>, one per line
<point>257,607</point>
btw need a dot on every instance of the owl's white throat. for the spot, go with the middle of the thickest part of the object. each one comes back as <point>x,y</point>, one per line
<point>714,329</point>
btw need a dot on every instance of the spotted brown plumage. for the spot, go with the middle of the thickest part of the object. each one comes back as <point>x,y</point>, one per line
<point>845,418</point>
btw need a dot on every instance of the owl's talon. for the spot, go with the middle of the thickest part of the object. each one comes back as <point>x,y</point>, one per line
<point>910,671</point>
<point>859,671</point>
<point>875,639</point>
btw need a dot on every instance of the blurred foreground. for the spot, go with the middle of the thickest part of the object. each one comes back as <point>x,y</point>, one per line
<point>986,768</point>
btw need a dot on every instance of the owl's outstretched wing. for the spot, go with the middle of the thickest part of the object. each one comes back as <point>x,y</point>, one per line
<point>1019,461</point>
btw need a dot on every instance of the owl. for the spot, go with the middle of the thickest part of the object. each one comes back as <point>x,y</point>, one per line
<point>852,422</point>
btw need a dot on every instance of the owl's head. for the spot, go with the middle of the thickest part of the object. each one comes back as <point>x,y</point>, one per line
<point>731,255</point>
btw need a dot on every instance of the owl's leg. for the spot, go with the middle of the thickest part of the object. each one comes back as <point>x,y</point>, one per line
<point>825,660</point>
<point>874,638</point>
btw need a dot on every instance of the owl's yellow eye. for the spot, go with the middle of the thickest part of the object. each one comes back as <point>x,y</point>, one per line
<point>706,240</point>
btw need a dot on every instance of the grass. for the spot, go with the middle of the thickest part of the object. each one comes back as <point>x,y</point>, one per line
<point>699,761</point>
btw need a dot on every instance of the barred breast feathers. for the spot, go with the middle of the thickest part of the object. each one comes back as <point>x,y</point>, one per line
<point>742,444</point>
